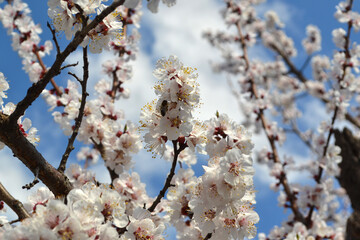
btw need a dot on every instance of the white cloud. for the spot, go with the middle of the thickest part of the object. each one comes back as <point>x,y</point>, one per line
<point>178,30</point>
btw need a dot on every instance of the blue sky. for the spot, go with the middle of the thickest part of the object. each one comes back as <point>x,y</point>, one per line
<point>171,31</point>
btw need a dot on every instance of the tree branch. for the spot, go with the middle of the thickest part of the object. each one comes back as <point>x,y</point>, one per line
<point>11,136</point>
<point>79,118</point>
<point>54,38</point>
<point>303,79</point>
<point>69,65</point>
<point>100,148</point>
<point>35,90</point>
<point>28,186</point>
<point>283,179</point>
<point>56,87</point>
<point>169,177</point>
<point>13,203</point>
<point>14,139</point>
<point>11,222</point>
<point>113,175</point>
<point>115,86</point>
<point>331,131</point>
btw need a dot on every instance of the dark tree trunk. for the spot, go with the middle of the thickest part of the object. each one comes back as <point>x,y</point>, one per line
<point>350,178</point>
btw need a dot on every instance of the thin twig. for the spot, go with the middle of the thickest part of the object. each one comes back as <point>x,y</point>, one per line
<point>35,90</point>
<point>53,32</point>
<point>75,76</point>
<point>31,185</point>
<point>113,175</point>
<point>13,203</point>
<point>115,86</point>
<point>169,177</point>
<point>11,222</point>
<point>283,179</point>
<point>303,79</point>
<point>81,11</point>
<point>100,148</point>
<point>69,65</point>
<point>79,118</point>
<point>320,170</point>
<point>305,63</point>
<point>331,131</point>
<point>56,87</point>
<point>9,129</point>
<point>34,182</point>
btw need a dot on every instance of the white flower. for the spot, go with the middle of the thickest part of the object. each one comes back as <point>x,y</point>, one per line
<point>87,154</point>
<point>78,176</point>
<point>176,124</point>
<point>109,30</point>
<point>40,197</point>
<point>142,227</point>
<point>24,125</point>
<point>130,186</point>
<point>339,37</point>
<point>186,156</point>
<point>273,20</point>
<point>224,134</point>
<point>313,41</point>
<point>197,138</point>
<point>34,70</point>
<point>3,87</point>
<point>8,108</point>
<point>170,118</point>
<point>63,20</point>
<point>332,160</point>
<point>94,205</point>
<point>319,66</point>
<point>167,68</point>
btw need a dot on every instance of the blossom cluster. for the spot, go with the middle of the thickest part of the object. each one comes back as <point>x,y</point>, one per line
<point>90,212</point>
<point>102,125</point>
<point>71,16</point>
<point>219,203</point>
<point>170,117</point>
<point>271,100</point>
<point>25,38</point>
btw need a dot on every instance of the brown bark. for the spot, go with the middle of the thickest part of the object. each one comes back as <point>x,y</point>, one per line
<point>9,129</point>
<point>350,177</point>
<point>13,203</point>
<point>27,153</point>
